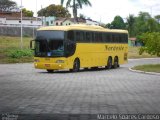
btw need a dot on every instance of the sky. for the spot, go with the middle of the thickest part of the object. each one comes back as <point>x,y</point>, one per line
<point>101,10</point>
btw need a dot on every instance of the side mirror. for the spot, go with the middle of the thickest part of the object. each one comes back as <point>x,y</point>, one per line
<point>32,44</point>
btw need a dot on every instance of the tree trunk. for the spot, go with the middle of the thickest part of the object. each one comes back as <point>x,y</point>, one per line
<point>75,12</point>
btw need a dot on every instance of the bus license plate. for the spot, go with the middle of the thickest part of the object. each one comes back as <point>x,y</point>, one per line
<point>47,65</point>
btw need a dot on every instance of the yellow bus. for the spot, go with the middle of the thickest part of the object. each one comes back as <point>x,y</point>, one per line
<point>79,46</point>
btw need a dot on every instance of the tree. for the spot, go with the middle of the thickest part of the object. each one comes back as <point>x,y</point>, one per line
<point>54,10</point>
<point>108,25</point>
<point>141,23</point>
<point>152,25</point>
<point>27,13</point>
<point>76,4</point>
<point>118,23</point>
<point>130,25</point>
<point>151,43</point>
<point>157,17</point>
<point>7,5</point>
<point>82,16</point>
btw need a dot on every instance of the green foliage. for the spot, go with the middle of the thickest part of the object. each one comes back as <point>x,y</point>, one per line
<point>7,5</point>
<point>157,17</point>
<point>108,25</point>
<point>10,44</point>
<point>75,5</point>
<point>82,16</point>
<point>142,23</point>
<point>131,25</point>
<point>151,43</point>
<point>17,53</point>
<point>118,23</point>
<point>54,10</point>
<point>152,25</point>
<point>27,13</point>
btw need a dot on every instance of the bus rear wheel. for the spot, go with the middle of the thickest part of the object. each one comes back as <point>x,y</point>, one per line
<point>76,65</point>
<point>116,63</point>
<point>109,63</point>
<point>50,71</point>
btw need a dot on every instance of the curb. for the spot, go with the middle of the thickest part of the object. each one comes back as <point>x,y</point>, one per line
<point>139,71</point>
<point>144,58</point>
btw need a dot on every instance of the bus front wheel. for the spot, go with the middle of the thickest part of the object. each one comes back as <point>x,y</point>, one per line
<point>76,65</point>
<point>50,71</point>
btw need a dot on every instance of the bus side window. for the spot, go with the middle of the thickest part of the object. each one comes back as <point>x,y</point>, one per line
<point>80,36</point>
<point>116,38</point>
<point>108,38</point>
<point>70,35</point>
<point>88,37</point>
<point>100,37</point>
<point>113,38</point>
<point>103,37</point>
<point>92,37</point>
<point>121,38</point>
<point>126,38</point>
<point>96,37</point>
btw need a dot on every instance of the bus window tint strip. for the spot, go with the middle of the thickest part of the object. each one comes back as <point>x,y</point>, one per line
<point>97,37</point>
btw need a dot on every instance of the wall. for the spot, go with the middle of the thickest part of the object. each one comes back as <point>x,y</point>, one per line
<point>67,22</point>
<point>24,22</point>
<point>10,14</point>
<point>49,21</point>
<point>16,31</point>
<point>2,20</point>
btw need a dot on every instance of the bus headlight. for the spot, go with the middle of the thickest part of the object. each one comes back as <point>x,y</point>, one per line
<point>60,61</point>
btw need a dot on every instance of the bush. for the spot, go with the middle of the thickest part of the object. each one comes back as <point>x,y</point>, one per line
<point>20,53</point>
<point>151,43</point>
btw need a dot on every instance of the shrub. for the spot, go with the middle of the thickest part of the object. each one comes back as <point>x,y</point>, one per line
<point>151,43</point>
<point>20,53</point>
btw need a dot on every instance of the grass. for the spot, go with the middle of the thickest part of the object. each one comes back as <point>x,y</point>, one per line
<point>148,68</point>
<point>133,53</point>
<point>11,44</point>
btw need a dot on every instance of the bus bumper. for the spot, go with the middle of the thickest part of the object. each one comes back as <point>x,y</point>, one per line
<point>49,66</point>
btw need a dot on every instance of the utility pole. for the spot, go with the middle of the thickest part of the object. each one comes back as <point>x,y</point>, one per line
<point>21,28</point>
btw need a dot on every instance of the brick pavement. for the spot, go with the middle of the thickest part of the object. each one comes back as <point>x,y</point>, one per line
<point>24,90</point>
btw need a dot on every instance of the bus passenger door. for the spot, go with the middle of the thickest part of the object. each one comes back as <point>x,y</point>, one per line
<point>70,47</point>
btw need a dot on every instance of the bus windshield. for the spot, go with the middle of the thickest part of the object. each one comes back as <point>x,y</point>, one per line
<point>49,44</point>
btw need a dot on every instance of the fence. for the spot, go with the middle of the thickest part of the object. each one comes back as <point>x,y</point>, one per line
<point>28,31</point>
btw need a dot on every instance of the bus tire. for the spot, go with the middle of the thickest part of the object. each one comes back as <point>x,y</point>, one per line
<point>50,71</point>
<point>76,65</point>
<point>116,62</point>
<point>109,63</point>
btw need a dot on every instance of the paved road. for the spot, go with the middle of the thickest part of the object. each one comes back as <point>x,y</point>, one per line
<point>25,90</point>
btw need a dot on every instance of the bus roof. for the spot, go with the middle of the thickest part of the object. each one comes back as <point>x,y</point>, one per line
<point>82,27</point>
